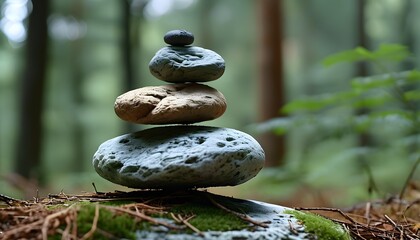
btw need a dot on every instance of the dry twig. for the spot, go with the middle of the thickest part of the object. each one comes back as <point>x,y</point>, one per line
<point>184,221</point>
<point>240,215</point>
<point>409,178</point>
<point>11,201</point>
<point>50,217</point>
<point>142,216</point>
<point>94,224</point>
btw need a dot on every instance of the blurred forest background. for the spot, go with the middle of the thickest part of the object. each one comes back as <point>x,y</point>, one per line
<point>63,63</point>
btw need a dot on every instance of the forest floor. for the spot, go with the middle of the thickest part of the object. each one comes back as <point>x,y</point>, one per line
<point>396,217</point>
<point>59,215</point>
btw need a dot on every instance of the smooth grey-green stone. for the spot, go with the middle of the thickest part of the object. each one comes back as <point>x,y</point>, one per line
<point>180,157</point>
<point>178,38</point>
<point>186,64</point>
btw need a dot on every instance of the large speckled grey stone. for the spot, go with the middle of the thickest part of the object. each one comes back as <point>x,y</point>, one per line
<point>186,64</point>
<point>180,157</point>
<point>169,104</point>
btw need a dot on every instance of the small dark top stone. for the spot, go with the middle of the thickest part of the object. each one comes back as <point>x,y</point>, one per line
<point>178,38</point>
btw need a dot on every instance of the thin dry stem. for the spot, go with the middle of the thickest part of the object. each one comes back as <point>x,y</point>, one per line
<point>142,216</point>
<point>240,215</point>
<point>50,217</point>
<point>178,218</point>
<point>94,224</point>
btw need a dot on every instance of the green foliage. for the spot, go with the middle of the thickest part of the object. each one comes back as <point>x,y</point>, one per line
<point>323,228</point>
<point>390,92</point>
<point>385,106</point>
<point>386,52</point>
<point>318,102</point>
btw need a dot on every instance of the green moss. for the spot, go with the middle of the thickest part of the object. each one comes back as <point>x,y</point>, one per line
<point>206,218</point>
<point>120,226</point>
<point>210,218</point>
<point>323,228</point>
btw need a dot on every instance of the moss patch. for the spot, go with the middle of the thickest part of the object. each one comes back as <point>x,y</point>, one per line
<point>120,226</point>
<point>209,218</point>
<point>206,218</point>
<point>323,228</point>
<point>123,214</point>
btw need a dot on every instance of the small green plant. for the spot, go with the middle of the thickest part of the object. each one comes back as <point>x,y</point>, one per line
<point>323,228</point>
<point>384,106</point>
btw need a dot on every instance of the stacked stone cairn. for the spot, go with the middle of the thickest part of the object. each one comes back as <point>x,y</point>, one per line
<point>179,155</point>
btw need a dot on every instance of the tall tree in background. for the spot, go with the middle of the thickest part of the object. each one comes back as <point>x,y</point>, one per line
<point>361,67</point>
<point>130,42</point>
<point>361,36</point>
<point>271,87</point>
<point>77,76</point>
<point>206,8</point>
<point>126,45</point>
<point>408,30</point>
<point>365,140</point>
<point>126,50</point>
<point>29,145</point>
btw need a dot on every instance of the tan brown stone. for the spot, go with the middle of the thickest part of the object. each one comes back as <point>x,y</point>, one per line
<point>171,104</point>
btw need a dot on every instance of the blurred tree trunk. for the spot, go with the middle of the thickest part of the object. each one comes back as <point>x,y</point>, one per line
<point>126,46</point>
<point>130,43</point>
<point>408,38</point>
<point>408,29</point>
<point>361,67</point>
<point>364,140</point>
<point>77,77</point>
<point>30,138</point>
<point>206,8</point>
<point>271,87</point>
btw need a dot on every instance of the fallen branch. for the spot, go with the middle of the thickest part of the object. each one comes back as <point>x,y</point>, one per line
<point>12,201</point>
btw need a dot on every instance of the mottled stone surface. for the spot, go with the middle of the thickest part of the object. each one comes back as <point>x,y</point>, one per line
<point>178,38</point>
<point>179,157</point>
<point>168,104</point>
<point>280,225</point>
<point>186,64</point>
